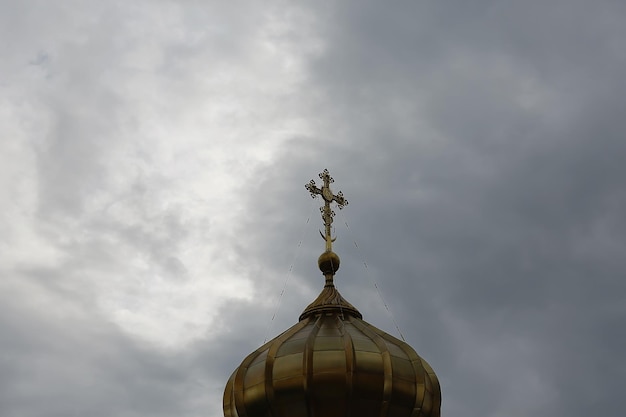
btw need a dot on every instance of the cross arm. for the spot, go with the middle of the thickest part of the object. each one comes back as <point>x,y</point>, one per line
<point>313,189</point>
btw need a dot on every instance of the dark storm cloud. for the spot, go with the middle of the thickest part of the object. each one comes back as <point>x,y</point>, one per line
<point>481,147</point>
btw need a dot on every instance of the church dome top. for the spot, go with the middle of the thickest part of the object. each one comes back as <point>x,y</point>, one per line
<point>332,363</point>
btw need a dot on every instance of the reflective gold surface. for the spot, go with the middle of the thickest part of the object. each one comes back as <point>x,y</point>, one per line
<point>333,364</point>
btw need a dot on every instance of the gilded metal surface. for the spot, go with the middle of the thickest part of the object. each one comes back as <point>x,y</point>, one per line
<point>330,301</point>
<point>329,197</point>
<point>332,363</point>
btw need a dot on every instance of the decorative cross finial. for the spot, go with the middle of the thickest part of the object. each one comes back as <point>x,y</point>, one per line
<point>329,197</point>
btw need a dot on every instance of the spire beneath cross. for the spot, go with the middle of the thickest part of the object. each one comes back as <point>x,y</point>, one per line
<point>329,197</point>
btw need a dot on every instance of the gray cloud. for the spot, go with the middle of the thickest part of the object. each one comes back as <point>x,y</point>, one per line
<point>160,158</point>
<point>62,358</point>
<point>484,162</point>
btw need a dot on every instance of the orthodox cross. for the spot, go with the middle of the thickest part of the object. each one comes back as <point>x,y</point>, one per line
<point>329,197</point>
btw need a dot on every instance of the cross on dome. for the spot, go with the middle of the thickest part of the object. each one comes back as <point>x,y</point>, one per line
<point>329,197</point>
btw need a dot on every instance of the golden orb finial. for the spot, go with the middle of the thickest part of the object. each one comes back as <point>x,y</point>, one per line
<point>328,262</point>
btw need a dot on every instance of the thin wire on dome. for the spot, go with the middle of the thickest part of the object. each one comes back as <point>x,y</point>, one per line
<point>278,301</point>
<point>370,276</point>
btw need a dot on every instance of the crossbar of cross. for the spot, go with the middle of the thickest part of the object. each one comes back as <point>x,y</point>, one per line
<point>329,197</point>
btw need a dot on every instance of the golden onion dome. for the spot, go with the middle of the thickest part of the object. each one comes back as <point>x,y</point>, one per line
<point>332,363</point>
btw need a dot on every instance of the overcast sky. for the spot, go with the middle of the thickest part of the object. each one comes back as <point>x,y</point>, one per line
<point>153,156</point>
